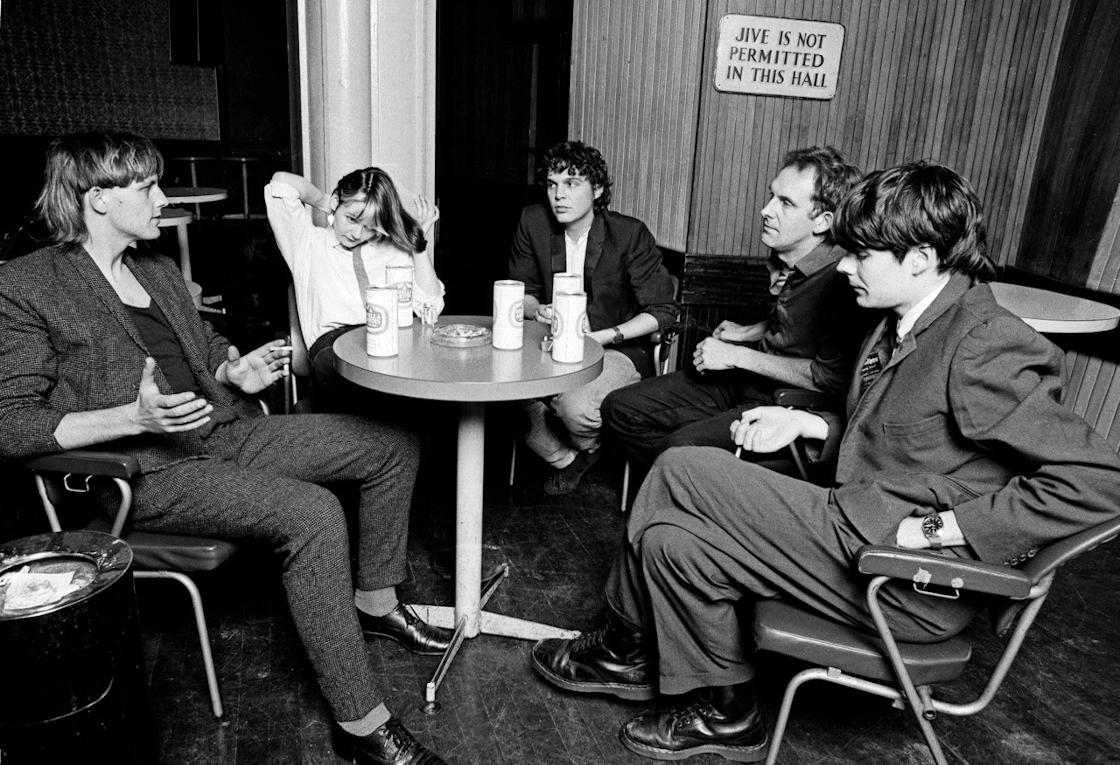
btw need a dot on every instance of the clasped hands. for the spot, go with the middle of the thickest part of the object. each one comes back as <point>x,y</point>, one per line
<point>157,412</point>
<point>723,350</point>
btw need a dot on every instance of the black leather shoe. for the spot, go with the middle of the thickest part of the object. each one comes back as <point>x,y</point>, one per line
<point>699,728</point>
<point>565,480</point>
<point>391,744</point>
<point>404,626</point>
<point>615,661</point>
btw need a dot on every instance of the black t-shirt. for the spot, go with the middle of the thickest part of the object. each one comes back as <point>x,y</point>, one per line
<point>164,347</point>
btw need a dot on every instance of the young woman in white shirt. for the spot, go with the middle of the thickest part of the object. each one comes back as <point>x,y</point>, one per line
<point>367,228</point>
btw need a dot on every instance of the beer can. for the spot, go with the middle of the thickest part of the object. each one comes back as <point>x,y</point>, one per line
<point>569,320</point>
<point>401,278</point>
<point>566,282</point>
<point>381,321</point>
<point>509,314</point>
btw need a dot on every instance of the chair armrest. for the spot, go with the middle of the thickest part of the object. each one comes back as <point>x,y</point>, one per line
<point>926,568</point>
<point>800,398</point>
<point>87,462</point>
<point>1057,553</point>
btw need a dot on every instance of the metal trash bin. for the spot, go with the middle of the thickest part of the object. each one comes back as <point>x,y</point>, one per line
<point>73,687</point>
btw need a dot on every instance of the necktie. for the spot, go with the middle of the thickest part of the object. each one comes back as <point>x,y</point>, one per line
<point>879,356</point>
<point>360,273</point>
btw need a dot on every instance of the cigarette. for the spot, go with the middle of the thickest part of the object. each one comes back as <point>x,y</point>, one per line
<point>282,348</point>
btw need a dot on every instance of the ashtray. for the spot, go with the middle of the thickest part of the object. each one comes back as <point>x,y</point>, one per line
<point>461,335</point>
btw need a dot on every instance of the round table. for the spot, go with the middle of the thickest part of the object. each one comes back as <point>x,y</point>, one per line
<point>471,377</point>
<point>1053,312</point>
<point>181,195</point>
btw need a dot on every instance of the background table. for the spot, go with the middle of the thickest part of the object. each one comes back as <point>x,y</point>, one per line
<point>471,377</point>
<point>1053,312</point>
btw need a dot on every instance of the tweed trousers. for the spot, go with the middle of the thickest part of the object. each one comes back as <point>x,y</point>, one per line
<point>710,533</point>
<point>258,481</point>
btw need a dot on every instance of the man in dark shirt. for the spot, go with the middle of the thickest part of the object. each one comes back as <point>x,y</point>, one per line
<point>808,340</point>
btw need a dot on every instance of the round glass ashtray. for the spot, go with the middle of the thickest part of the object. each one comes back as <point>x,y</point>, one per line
<point>461,335</point>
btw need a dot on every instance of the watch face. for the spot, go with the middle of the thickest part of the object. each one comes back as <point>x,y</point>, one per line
<point>932,524</point>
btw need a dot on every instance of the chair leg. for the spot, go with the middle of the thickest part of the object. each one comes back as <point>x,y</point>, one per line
<point>513,461</point>
<point>625,486</point>
<point>200,624</point>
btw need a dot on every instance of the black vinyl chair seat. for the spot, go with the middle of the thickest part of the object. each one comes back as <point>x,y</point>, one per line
<point>154,551</point>
<point>793,631</point>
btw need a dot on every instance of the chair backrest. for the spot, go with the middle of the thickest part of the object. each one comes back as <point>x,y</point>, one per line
<point>301,362</point>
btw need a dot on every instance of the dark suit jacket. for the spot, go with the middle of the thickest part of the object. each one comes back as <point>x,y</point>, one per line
<point>67,344</point>
<point>967,416</point>
<point>623,274</point>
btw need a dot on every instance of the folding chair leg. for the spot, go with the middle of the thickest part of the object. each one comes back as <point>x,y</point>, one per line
<point>930,737</point>
<point>200,624</point>
<point>625,486</point>
<point>513,461</point>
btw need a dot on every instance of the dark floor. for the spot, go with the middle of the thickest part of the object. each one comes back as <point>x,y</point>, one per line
<point>1059,706</point>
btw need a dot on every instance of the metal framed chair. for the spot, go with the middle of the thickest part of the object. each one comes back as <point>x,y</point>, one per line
<point>905,673</point>
<point>300,367</point>
<point>155,555</point>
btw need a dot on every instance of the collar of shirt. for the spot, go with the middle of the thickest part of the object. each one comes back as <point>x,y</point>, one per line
<point>906,323</point>
<point>575,253</point>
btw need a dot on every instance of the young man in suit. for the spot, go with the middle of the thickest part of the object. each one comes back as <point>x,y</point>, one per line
<point>629,296</point>
<point>955,440</point>
<point>100,345</point>
<point>808,340</point>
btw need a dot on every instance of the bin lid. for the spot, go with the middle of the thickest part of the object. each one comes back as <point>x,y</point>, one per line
<point>46,572</point>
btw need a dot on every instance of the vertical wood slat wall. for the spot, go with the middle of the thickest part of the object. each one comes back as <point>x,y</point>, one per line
<point>961,82</point>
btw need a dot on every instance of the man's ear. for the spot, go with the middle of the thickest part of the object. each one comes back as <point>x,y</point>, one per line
<point>923,258</point>
<point>97,201</point>
<point>822,222</point>
<point>598,190</point>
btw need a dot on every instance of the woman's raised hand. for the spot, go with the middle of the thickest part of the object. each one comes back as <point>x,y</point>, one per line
<point>426,213</point>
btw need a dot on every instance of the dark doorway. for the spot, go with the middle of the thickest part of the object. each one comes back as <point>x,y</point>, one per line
<point>502,101</point>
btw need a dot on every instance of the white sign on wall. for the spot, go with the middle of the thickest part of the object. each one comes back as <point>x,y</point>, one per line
<point>778,57</point>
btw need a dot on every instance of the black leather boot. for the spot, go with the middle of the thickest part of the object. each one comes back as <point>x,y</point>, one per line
<point>617,660</point>
<point>723,720</point>
<point>391,744</point>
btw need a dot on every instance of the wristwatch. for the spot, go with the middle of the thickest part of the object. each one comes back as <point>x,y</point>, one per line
<point>618,336</point>
<point>931,527</point>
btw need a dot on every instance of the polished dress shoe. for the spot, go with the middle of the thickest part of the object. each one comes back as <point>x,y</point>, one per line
<point>404,626</point>
<point>616,660</point>
<point>391,744</point>
<point>717,723</point>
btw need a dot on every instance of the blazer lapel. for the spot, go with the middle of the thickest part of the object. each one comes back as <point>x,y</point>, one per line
<point>91,276</point>
<point>559,254</point>
<point>594,252</point>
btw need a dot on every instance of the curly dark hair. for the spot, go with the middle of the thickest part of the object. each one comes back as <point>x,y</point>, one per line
<point>920,203</point>
<point>578,159</point>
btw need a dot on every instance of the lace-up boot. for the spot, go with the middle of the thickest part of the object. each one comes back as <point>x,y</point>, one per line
<point>617,660</point>
<point>723,720</point>
<point>391,744</point>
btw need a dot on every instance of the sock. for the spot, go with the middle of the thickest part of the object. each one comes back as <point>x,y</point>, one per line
<point>562,462</point>
<point>376,602</point>
<point>364,726</point>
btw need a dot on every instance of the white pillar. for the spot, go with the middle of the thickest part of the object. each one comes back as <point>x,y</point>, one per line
<point>367,90</point>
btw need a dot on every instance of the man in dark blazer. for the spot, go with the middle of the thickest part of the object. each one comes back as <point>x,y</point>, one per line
<point>955,440</point>
<point>100,345</point>
<point>629,296</point>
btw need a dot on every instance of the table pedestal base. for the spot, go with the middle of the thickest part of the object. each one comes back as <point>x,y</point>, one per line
<point>467,617</point>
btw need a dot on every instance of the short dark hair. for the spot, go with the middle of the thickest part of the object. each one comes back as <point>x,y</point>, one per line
<point>578,159</point>
<point>920,203</point>
<point>77,163</point>
<point>834,175</point>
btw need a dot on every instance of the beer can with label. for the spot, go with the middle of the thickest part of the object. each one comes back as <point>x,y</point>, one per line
<point>569,322</point>
<point>401,278</point>
<point>381,321</point>
<point>566,282</point>
<point>509,315</point>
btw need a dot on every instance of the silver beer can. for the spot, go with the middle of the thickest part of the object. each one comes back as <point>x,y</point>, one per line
<point>381,321</point>
<point>566,282</point>
<point>569,323</point>
<point>401,278</point>
<point>509,314</point>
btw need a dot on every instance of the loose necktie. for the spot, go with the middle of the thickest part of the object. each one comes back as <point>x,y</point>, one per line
<point>360,272</point>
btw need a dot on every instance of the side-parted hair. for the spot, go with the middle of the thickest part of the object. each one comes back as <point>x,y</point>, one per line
<point>79,162</point>
<point>835,177</point>
<point>578,159</point>
<point>375,188</point>
<point>917,204</point>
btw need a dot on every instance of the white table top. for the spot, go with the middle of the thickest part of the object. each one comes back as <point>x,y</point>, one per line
<point>1054,312</point>
<point>173,216</point>
<point>422,369</point>
<point>177,195</point>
